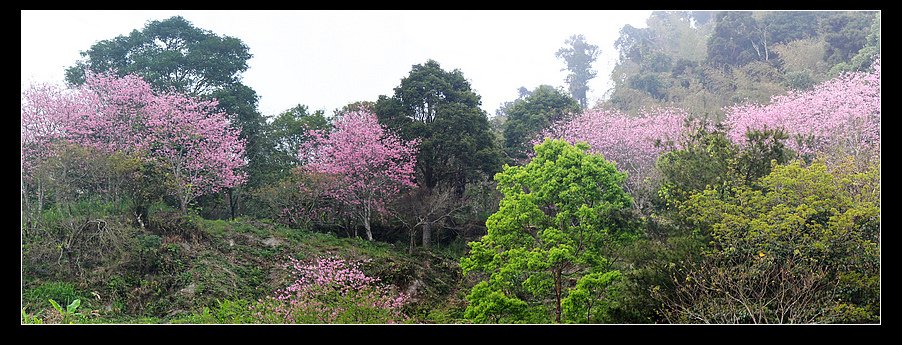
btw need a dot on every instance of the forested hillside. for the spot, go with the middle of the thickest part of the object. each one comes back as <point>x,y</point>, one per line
<point>702,61</point>
<point>732,174</point>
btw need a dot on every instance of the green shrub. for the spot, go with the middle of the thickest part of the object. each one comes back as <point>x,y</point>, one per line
<point>226,312</point>
<point>58,291</point>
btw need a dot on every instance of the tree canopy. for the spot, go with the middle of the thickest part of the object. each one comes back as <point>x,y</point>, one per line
<point>440,109</point>
<point>556,222</point>
<point>801,247</point>
<point>169,54</point>
<point>527,116</point>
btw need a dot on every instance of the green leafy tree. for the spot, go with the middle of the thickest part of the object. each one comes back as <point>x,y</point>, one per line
<point>654,259</point>
<point>559,216</point>
<point>801,247</point>
<point>845,33</point>
<point>240,102</point>
<point>529,115</point>
<point>633,43</point>
<point>704,158</point>
<point>785,26</point>
<point>736,40</point>
<point>662,65</point>
<point>285,193</point>
<point>289,130</point>
<point>169,54</point>
<point>579,56</point>
<point>355,106</point>
<point>762,149</point>
<point>673,34</point>
<point>866,55</point>
<point>670,33</point>
<point>671,245</point>
<point>441,109</point>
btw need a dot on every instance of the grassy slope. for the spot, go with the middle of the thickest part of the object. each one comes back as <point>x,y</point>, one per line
<point>177,266</point>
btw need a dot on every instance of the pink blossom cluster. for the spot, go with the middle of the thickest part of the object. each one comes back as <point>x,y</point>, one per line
<point>632,142</point>
<point>327,288</point>
<point>843,112</point>
<point>192,140</point>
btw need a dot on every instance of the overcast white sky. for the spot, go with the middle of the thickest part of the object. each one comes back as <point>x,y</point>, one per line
<point>326,59</point>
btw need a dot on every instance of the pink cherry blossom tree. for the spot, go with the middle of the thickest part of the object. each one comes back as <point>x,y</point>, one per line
<point>41,123</point>
<point>631,142</point>
<point>192,141</point>
<point>372,165</point>
<point>101,114</point>
<point>841,114</point>
<point>196,144</point>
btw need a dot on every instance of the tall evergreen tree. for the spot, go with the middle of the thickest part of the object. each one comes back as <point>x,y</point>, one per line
<point>579,56</point>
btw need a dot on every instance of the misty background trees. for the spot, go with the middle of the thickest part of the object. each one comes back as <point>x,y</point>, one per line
<point>579,56</point>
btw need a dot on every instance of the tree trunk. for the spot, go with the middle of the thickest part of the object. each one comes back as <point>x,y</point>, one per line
<point>369,232</point>
<point>183,205</point>
<point>755,46</point>
<point>233,202</point>
<point>140,216</point>
<point>413,240</point>
<point>40,196</point>
<point>557,295</point>
<point>70,258</point>
<point>427,235</point>
<point>26,211</point>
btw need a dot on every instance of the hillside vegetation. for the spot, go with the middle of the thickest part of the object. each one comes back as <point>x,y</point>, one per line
<point>732,175</point>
